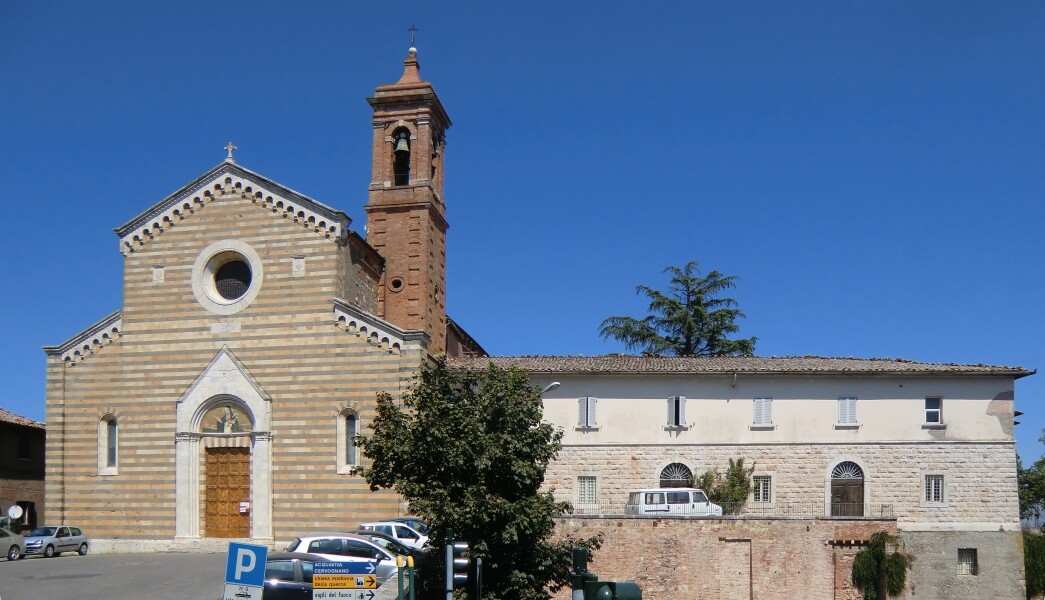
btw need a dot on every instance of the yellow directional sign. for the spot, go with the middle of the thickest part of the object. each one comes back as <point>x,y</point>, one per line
<point>343,582</point>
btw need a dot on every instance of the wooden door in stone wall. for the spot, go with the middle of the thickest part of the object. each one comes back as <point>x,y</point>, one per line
<point>228,484</point>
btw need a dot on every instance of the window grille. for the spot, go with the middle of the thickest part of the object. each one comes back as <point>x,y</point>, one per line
<point>967,561</point>
<point>934,488</point>
<point>762,488</point>
<point>587,493</point>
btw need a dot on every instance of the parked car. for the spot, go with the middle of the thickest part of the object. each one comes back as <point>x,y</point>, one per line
<point>424,558</point>
<point>288,575</point>
<point>671,501</point>
<point>400,531</point>
<point>12,545</point>
<point>52,540</point>
<point>419,524</point>
<point>346,547</point>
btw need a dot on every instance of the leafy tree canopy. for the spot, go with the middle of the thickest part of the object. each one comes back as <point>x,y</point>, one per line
<point>468,451</point>
<point>877,571</point>
<point>688,319</point>
<point>1031,482</point>
<point>730,490</point>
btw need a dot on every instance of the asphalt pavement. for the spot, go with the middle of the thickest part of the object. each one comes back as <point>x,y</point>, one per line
<point>160,576</point>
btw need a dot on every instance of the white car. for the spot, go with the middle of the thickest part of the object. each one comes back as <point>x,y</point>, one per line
<point>402,532</point>
<point>343,547</point>
<point>671,501</point>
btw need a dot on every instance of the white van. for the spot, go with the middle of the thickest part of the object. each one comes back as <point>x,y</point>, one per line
<point>671,501</point>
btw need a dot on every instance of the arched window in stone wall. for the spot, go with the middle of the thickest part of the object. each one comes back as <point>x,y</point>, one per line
<point>676,475</point>
<point>847,490</point>
<point>347,430</point>
<point>108,444</point>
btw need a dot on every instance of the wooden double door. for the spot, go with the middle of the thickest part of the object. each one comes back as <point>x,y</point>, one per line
<point>228,484</point>
<point>847,498</point>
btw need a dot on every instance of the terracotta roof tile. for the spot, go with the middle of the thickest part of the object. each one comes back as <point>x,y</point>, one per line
<point>805,365</point>
<point>10,417</point>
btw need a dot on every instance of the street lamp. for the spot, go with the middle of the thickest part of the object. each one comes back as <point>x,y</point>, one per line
<point>551,386</point>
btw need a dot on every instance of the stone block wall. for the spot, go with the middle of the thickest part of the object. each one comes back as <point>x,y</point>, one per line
<point>980,478</point>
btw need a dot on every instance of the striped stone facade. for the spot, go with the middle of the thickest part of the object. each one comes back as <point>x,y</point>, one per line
<point>241,294</point>
<point>308,365</point>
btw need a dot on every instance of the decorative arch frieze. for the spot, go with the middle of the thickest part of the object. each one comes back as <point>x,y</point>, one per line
<point>376,331</point>
<point>90,340</point>
<point>229,179</point>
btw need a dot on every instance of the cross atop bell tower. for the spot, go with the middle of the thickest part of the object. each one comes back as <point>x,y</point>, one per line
<point>406,214</point>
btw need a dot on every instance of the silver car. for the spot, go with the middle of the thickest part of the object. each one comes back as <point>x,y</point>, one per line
<point>12,545</point>
<point>52,540</point>
<point>345,547</point>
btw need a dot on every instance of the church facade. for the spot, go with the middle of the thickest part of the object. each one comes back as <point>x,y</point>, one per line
<point>256,330</point>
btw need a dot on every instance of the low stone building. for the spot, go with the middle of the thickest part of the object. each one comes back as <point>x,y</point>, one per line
<point>924,449</point>
<point>22,444</point>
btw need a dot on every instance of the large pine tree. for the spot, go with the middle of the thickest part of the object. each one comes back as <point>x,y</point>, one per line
<point>689,319</point>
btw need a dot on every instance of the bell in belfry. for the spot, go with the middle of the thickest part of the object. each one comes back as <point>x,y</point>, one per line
<point>402,145</point>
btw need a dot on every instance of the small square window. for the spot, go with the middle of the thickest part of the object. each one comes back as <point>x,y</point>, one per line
<point>934,489</point>
<point>762,488</point>
<point>934,410</point>
<point>967,562</point>
<point>586,490</point>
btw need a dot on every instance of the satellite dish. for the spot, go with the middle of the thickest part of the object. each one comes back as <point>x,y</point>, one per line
<point>15,512</point>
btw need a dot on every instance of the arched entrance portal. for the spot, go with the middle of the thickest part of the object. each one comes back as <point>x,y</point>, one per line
<point>223,449</point>
<point>226,510</point>
<point>847,490</point>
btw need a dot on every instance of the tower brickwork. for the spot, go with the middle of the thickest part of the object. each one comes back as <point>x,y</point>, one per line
<point>406,214</point>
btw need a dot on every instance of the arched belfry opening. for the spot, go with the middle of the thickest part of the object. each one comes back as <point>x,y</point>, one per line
<point>401,156</point>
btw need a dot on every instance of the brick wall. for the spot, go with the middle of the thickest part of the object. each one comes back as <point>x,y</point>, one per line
<point>713,559</point>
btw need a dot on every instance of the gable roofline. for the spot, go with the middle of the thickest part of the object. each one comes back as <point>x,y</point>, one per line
<point>326,220</point>
<point>11,418</point>
<point>624,364</point>
<point>83,344</point>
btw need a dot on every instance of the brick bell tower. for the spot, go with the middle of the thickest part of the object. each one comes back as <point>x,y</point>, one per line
<point>406,215</point>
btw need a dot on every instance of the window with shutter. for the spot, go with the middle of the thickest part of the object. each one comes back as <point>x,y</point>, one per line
<point>847,411</point>
<point>763,411</point>
<point>586,418</point>
<point>677,411</point>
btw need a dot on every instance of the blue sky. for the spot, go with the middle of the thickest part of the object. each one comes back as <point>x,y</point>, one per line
<point>873,172</point>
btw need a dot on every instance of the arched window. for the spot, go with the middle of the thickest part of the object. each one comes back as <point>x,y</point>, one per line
<point>108,445</point>
<point>401,157</point>
<point>347,430</point>
<point>676,475</point>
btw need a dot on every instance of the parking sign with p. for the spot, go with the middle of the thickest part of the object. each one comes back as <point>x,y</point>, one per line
<point>245,572</point>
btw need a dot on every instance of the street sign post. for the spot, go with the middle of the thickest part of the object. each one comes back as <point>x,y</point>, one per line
<point>245,572</point>
<point>335,580</point>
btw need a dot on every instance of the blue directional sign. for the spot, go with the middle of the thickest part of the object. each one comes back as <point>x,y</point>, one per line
<point>246,564</point>
<point>344,568</point>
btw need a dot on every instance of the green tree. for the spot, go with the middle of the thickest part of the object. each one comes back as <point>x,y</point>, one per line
<point>468,450</point>
<point>730,489</point>
<point>877,572</point>
<point>689,319</point>
<point>1031,483</point>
